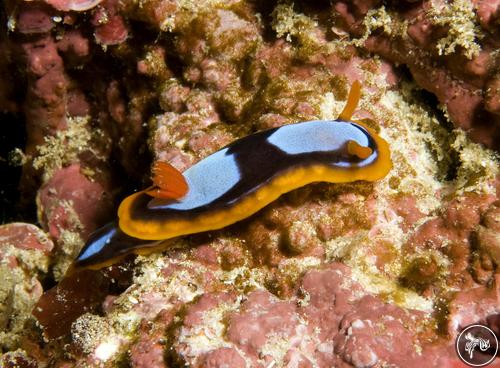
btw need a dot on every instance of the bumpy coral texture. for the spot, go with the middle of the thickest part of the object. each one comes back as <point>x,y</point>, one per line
<point>352,275</point>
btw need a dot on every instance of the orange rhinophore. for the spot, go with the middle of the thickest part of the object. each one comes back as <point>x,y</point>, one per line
<point>354,148</point>
<point>168,182</point>
<point>352,102</point>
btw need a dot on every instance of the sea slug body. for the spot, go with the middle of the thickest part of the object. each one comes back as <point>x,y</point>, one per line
<point>238,180</point>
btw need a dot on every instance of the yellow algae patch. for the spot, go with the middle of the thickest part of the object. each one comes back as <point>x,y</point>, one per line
<point>329,107</point>
<point>64,147</point>
<point>243,279</point>
<point>69,244</point>
<point>414,165</point>
<point>17,297</point>
<point>89,330</point>
<point>354,251</point>
<point>459,18</point>
<point>379,19</point>
<point>278,345</point>
<point>187,10</point>
<point>478,166</point>
<point>210,333</point>
<point>288,23</point>
<point>376,19</point>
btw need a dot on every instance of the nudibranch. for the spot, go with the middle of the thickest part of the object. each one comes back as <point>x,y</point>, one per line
<point>238,180</point>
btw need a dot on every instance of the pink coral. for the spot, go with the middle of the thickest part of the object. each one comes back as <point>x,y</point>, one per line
<point>71,201</point>
<point>474,306</point>
<point>104,86</point>
<point>35,18</point>
<point>110,26</point>
<point>24,256</point>
<point>147,351</point>
<point>75,5</point>
<point>459,83</point>
<point>25,237</point>
<point>222,357</point>
<point>334,326</point>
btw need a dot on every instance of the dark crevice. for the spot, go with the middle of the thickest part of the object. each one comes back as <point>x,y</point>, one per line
<point>430,102</point>
<point>265,9</point>
<point>12,136</point>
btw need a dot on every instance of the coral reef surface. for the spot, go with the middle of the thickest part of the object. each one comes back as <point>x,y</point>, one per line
<point>330,275</point>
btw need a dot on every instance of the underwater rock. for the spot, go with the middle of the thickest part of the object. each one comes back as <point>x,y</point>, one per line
<point>70,201</point>
<point>24,260</point>
<point>110,28</point>
<point>75,295</point>
<point>25,237</point>
<point>35,18</point>
<point>148,350</point>
<point>106,86</point>
<point>71,206</point>
<point>488,235</point>
<point>74,5</point>
<point>450,52</point>
<point>475,305</point>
